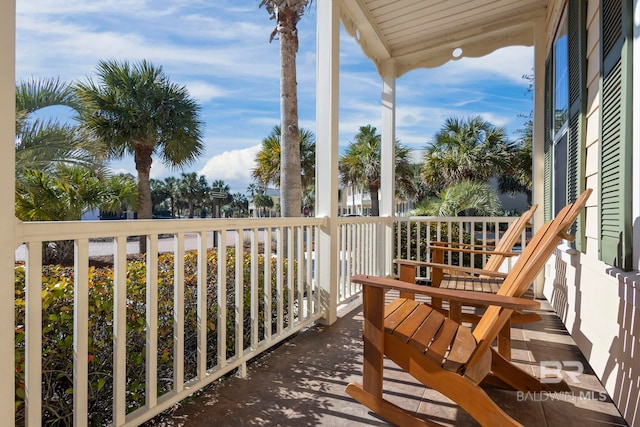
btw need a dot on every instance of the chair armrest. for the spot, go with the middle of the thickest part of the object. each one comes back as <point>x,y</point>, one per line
<point>472,251</point>
<point>457,244</point>
<point>477,271</point>
<point>464,297</point>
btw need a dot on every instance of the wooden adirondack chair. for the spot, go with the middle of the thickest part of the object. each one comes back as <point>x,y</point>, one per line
<point>441,353</point>
<point>488,279</point>
<point>450,276</point>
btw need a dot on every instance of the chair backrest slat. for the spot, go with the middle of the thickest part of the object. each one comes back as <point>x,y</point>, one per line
<point>509,239</point>
<point>526,268</point>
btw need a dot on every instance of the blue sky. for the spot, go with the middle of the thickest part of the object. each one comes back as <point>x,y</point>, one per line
<point>220,50</point>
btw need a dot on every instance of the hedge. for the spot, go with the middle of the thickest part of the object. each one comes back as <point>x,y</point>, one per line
<point>57,330</point>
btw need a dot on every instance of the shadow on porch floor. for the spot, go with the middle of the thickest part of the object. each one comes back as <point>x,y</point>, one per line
<point>302,383</point>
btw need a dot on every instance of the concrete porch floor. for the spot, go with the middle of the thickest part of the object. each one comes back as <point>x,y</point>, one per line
<point>302,383</point>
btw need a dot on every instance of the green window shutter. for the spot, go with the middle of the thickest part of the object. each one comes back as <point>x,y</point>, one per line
<point>577,106</point>
<point>615,133</point>
<point>548,143</point>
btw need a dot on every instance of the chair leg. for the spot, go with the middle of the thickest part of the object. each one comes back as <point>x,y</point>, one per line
<point>456,387</point>
<point>373,335</point>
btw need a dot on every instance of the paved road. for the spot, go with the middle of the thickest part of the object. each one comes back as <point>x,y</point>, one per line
<point>102,248</point>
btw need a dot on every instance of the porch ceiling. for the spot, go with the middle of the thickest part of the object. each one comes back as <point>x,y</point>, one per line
<point>425,33</point>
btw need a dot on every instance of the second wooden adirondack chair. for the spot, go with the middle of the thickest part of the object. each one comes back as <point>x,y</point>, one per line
<point>440,352</point>
<point>487,279</point>
<point>497,255</point>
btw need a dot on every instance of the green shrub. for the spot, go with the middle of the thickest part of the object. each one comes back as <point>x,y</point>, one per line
<point>57,330</point>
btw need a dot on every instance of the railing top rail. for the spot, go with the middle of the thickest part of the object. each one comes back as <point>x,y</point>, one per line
<point>66,230</point>
<point>457,218</point>
<point>362,219</point>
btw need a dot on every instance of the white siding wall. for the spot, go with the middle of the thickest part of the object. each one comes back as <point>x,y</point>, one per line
<point>598,305</point>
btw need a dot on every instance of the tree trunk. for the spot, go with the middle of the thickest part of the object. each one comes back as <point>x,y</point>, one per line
<point>143,160</point>
<point>375,203</point>
<point>58,252</point>
<point>290,168</point>
<point>353,198</point>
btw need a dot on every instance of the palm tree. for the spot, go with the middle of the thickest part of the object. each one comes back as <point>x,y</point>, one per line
<point>407,187</point>
<point>49,154</point>
<point>239,204</point>
<point>120,191</point>
<point>360,165</point>
<point>465,149</point>
<point>159,194</point>
<point>253,189</point>
<point>65,196</point>
<point>287,14</point>
<point>269,158</point>
<point>262,201</point>
<point>192,190</point>
<point>518,176</point>
<point>42,145</point>
<point>134,109</point>
<point>468,197</point>
<point>171,183</point>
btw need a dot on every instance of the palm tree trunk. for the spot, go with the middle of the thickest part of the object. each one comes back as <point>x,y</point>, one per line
<point>353,199</point>
<point>375,203</point>
<point>290,179</point>
<point>58,252</point>
<point>142,158</point>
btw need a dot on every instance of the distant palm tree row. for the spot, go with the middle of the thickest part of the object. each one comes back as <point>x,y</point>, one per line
<point>452,179</point>
<point>191,196</point>
<point>61,173</point>
<point>133,109</point>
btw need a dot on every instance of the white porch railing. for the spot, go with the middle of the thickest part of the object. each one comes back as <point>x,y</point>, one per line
<point>192,329</point>
<point>206,311</point>
<point>359,243</point>
<point>413,234</point>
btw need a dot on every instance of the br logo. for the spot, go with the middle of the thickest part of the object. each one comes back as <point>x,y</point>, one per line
<point>551,371</point>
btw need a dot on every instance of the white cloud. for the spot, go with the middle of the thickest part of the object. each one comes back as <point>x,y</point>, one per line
<point>75,45</point>
<point>234,167</point>
<point>220,50</point>
<point>205,92</point>
<point>48,7</point>
<point>159,170</point>
<point>511,62</point>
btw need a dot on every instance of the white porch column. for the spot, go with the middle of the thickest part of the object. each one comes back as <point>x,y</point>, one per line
<point>327,57</point>
<point>540,55</point>
<point>387,164</point>
<point>7,203</point>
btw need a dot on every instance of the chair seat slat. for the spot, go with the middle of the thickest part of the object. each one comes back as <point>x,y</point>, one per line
<point>398,315</point>
<point>443,340</point>
<point>414,321</point>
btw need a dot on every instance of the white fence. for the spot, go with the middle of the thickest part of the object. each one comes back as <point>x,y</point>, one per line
<point>208,296</point>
